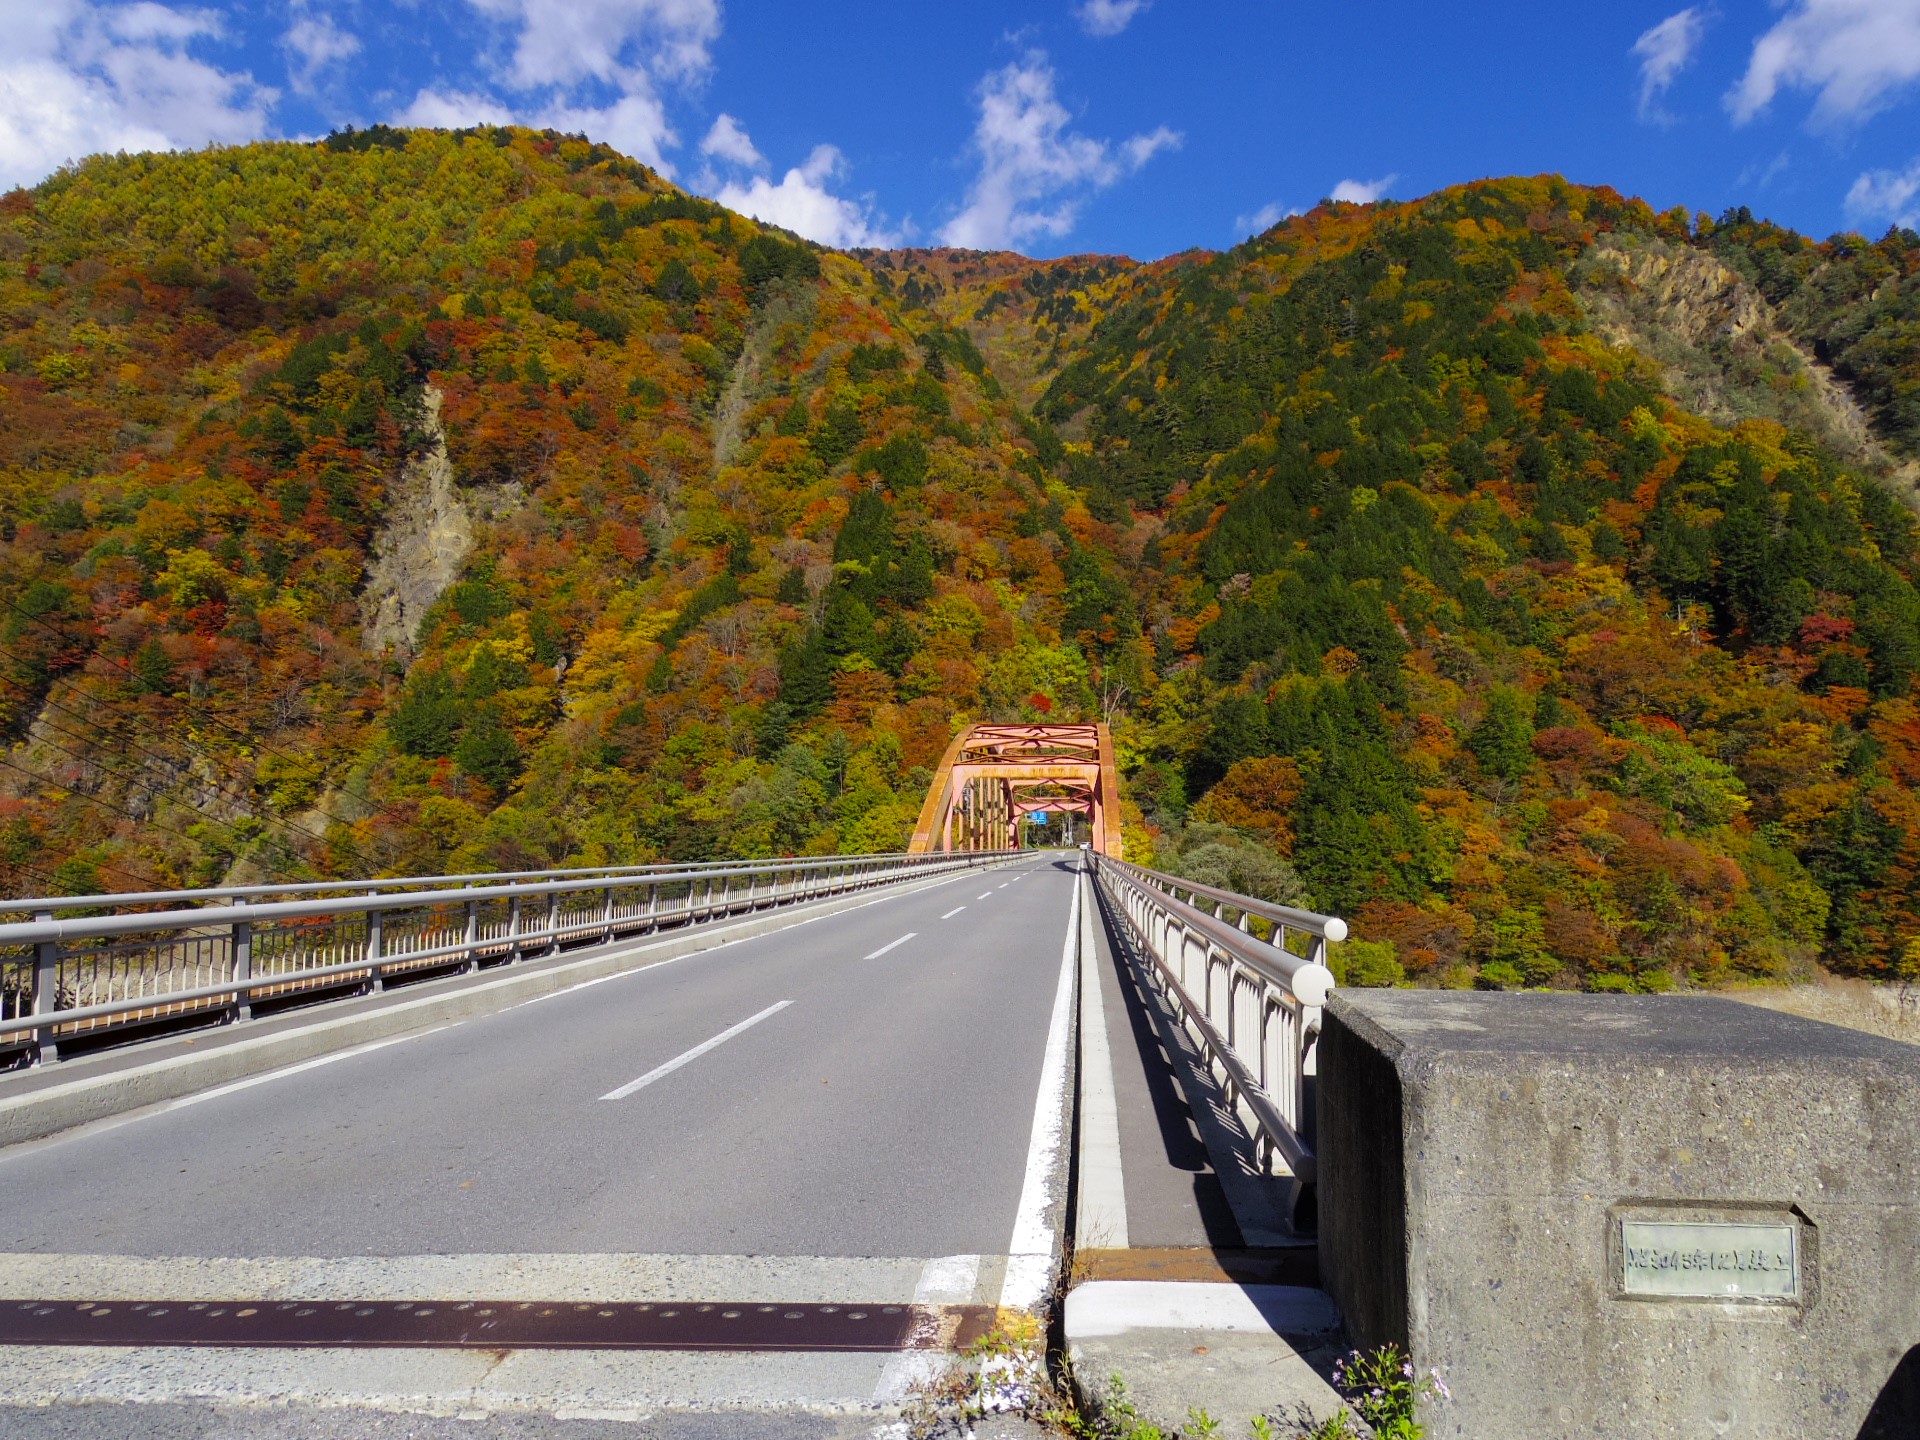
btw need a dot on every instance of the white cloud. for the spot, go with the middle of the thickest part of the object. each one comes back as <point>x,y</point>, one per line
<point>1758,176</point>
<point>801,201</point>
<point>453,110</point>
<point>568,54</point>
<point>728,140</point>
<point>1855,53</point>
<point>1033,169</point>
<point>635,124</point>
<point>1142,148</point>
<point>1263,219</point>
<point>312,45</point>
<point>78,78</point>
<point>1892,195</point>
<point>561,42</point>
<point>1664,51</point>
<point>1109,17</point>
<point>1362,192</point>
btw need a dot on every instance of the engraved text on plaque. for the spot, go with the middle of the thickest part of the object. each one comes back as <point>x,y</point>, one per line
<point>1710,1260</point>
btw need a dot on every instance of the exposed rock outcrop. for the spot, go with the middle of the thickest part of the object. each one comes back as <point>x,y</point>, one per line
<point>425,540</point>
<point>1723,351</point>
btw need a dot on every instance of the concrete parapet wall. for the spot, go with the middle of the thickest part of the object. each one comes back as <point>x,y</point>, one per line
<point>1619,1216</point>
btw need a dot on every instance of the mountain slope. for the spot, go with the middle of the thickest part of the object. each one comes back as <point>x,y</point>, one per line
<point>1550,679</point>
<point>421,499</point>
<point>227,378</point>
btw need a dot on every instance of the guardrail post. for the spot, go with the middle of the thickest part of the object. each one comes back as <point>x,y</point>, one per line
<point>46,992</point>
<point>472,958</point>
<point>242,944</point>
<point>606,912</point>
<point>376,947</point>
<point>553,923</point>
<point>513,929</point>
<point>653,907</point>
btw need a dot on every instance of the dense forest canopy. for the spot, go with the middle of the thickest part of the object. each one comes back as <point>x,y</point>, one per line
<point>422,500</point>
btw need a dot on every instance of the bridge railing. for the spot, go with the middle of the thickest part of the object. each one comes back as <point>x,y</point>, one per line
<point>314,889</point>
<point>62,979</point>
<point>1253,999</point>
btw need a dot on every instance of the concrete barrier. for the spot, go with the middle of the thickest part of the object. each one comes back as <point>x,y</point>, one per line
<point>1626,1216</point>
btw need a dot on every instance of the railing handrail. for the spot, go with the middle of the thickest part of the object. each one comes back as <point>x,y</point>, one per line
<point>1277,963</point>
<point>1308,922</point>
<point>1234,964</point>
<point>809,877</point>
<point>300,887</point>
<point>94,927</point>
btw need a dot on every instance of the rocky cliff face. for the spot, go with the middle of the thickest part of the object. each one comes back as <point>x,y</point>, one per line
<point>425,541</point>
<point>1722,349</point>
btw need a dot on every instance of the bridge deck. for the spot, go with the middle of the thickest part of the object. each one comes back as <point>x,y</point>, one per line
<point>862,1132</point>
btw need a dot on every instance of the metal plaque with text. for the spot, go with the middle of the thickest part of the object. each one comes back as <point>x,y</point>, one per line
<point>1710,1260</point>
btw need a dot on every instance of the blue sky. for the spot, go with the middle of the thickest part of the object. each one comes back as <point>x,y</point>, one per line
<point>1052,126</point>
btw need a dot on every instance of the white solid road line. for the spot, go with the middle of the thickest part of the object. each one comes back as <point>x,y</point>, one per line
<point>948,1280</point>
<point>694,1054</point>
<point>214,1094</point>
<point>890,944</point>
<point>953,912</point>
<point>1030,1252</point>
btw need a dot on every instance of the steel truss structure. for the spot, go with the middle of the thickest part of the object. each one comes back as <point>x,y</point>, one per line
<point>993,776</point>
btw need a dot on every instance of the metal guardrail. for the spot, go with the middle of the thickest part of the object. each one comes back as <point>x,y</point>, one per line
<point>1253,1002</point>
<point>61,979</point>
<point>392,884</point>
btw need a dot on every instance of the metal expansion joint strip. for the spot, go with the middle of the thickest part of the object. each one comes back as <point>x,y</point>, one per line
<point>493,1325</point>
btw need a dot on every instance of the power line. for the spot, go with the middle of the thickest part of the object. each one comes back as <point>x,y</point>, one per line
<point>154,791</point>
<point>92,799</point>
<point>48,876</point>
<point>145,881</point>
<point>237,795</point>
<point>231,729</point>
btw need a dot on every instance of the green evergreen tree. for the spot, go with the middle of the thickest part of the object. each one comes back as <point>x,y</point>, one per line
<point>487,751</point>
<point>1503,740</point>
<point>427,719</point>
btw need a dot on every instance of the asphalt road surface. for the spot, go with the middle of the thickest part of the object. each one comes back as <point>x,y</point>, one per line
<point>799,1114</point>
<point>884,1109</point>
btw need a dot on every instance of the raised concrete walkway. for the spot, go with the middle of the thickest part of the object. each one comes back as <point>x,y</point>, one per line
<point>1189,1284</point>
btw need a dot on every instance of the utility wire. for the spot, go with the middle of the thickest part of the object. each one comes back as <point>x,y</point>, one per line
<point>103,804</point>
<point>154,791</point>
<point>230,728</point>
<point>237,795</point>
<point>146,882</point>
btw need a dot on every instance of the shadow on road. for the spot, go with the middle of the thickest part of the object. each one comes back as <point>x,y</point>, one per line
<point>1177,1078</point>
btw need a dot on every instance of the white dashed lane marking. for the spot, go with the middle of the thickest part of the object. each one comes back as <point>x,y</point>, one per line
<point>661,1071</point>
